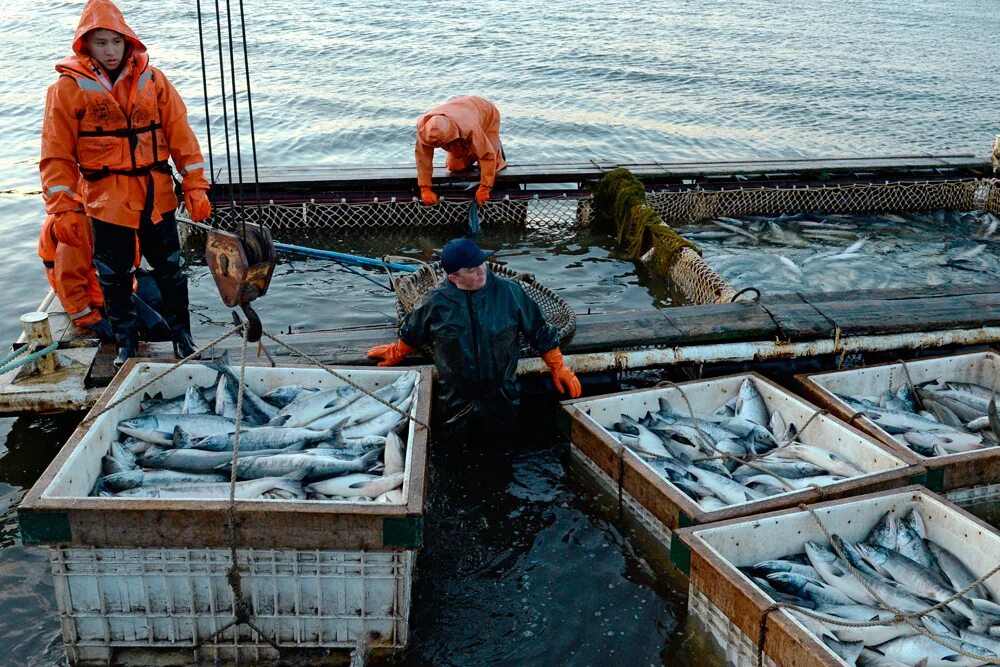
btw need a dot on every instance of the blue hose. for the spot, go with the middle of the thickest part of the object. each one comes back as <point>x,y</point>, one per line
<point>341,257</point>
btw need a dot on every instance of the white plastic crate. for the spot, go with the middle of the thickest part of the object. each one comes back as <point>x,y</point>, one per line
<point>137,577</point>
<point>964,470</point>
<point>112,601</point>
<point>730,604</point>
<point>588,421</point>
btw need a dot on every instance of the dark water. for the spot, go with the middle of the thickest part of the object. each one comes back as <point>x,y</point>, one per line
<point>540,569</point>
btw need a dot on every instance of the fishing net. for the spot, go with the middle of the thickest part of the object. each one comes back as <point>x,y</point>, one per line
<point>688,207</point>
<point>411,287</point>
<point>640,220</point>
<point>528,213</point>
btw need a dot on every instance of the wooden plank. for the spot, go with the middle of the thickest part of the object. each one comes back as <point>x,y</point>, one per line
<point>797,321</point>
<point>388,176</point>
<point>892,294</point>
<point>878,316</point>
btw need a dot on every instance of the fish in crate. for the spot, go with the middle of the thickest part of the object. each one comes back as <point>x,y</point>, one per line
<point>295,442</point>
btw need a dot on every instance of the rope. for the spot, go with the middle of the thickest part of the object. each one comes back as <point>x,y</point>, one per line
<point>204,88</point>
<point>744,291</point>
<point>160,376</point>
<point>344,379</point>
<point>242,608</point>
<point>909,383</point>
<point>11,365</point>
<point>14,354</point>
<point>898,615</point>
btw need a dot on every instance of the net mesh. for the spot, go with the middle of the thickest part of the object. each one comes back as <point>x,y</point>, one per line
<point>682,208</point>
<point>528,213</point>
<point>695,280</point>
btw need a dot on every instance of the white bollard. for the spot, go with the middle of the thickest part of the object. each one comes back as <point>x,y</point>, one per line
<point>39,335</point>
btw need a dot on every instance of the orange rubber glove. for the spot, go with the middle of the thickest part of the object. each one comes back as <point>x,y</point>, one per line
<point>427,195</point>
<point>70,227</point>
<point>565,380</point>
<point>197,205</point>
<point>482,195</point>
<point>391,353</point>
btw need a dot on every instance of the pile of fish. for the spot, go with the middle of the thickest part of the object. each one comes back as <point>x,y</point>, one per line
<point>940,418</point>
<point>685,450</point>
<point>909,573</point>
<point>295,442</point>
<point>848,252</point>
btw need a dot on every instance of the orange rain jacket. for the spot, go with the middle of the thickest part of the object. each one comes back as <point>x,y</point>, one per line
<point>114,136</point>
<point>475,136</point>
<point>71,274</point>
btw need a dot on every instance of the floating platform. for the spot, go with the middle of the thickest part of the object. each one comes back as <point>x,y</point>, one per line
<point>784,327</point>
<point>780,327</point>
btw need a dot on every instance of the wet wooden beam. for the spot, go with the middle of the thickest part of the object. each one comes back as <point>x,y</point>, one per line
<point>401,178</point>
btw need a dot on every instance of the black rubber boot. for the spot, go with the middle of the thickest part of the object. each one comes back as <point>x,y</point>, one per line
<point>126,350</point>
<point>183,344</point>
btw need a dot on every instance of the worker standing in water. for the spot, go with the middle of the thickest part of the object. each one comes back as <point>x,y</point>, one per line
<point>468,129</point>
<point>472,322</point>
<point>111,123</point>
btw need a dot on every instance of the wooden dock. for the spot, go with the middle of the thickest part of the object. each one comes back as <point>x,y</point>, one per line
<point>363,182</point>
<point>936,317</point>
<point>778,326</point>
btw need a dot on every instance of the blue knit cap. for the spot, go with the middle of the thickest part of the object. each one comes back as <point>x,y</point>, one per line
<point>462,254</point>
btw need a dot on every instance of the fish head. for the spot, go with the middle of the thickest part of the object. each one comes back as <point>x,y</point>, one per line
<point>818,553</point>
<point>137,426</point>
<point>875,555</point>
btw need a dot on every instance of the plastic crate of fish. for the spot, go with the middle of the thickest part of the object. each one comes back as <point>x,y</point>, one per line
<point>666,467</point>
<point>954,392</point>
<point>303,511</point>
<point>910,547</point>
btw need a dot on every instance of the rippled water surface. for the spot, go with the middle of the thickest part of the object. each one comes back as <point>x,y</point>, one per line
<point>538,568</point>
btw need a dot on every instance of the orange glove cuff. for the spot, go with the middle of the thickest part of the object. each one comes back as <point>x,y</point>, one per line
<point>427,195</point>
<point>391,353</point>
<point>553,359</point>
<point>482,195</point>
<point>564,379</point>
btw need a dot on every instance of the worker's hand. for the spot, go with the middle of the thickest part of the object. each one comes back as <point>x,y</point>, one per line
<point>197,205</point>
<point>482,195</point>
<point>427,195</point>
<point>102,329</point>
<point>391,353</point>
<point>565,380</point>
<point>70,227</point>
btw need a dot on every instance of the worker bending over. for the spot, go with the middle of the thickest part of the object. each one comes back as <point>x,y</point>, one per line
<point>114,120</point>
<point>468,129</point>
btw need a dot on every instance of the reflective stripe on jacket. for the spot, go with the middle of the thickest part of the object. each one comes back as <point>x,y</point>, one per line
<point>117,137</point>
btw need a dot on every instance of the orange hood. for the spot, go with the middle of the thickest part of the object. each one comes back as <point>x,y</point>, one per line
<point>105,14</point>
<point>437,131</point>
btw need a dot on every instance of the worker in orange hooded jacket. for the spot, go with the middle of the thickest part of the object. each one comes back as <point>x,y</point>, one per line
<point>111,123</point>
<point>71,274</point>
<point>468,129</point>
